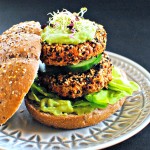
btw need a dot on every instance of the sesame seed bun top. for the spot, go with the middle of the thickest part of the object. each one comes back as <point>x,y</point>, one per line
<point>19,58</point>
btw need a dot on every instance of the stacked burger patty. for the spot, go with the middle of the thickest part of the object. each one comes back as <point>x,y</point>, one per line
<point>75,84</point>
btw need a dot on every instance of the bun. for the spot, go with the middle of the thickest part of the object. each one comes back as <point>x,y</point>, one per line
<point>20,45</point>
<point>19,59</point>
<point>30,27</point>
<point>73,121</point>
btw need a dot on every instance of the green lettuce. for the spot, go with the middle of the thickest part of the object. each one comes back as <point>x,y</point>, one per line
<point>120,82</point>
<point>104,97</point>
<point>118,88</point>
<point>35,88</point>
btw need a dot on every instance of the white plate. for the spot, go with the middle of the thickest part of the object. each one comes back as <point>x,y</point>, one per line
<point>22,132</point>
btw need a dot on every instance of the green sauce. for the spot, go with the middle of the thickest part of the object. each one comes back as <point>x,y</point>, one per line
<point>68,28</point>
<point>59,107</point>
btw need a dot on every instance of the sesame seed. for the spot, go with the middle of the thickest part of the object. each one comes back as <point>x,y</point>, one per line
<point>10,82</point>
<point>21,111</point>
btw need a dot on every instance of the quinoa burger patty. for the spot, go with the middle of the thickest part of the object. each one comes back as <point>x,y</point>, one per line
<point>64,54</point>
<point>74,85</point>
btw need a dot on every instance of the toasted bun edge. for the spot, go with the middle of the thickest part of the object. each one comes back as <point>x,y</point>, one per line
<point>73,121</point>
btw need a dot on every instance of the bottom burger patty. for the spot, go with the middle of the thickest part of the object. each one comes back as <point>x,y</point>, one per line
<point>74,85</point>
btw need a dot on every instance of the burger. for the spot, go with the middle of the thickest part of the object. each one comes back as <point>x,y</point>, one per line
<point>77,85</point>
<point>68,77</point>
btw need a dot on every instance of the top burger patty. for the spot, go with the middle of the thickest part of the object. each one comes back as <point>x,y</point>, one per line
<point>63,54</point>
<point>73,85</point>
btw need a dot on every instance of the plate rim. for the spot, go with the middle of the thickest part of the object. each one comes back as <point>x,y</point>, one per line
<point>142,69</point>
<point>136,129</point>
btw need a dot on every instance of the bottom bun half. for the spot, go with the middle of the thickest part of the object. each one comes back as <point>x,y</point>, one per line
<point>72,121</point>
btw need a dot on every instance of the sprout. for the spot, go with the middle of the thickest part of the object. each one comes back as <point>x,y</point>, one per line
<point>64,12</point>
<point>82,11</point>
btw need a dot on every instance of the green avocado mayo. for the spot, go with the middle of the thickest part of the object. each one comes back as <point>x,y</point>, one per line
<point>68,28</point>
<point>58,107</point>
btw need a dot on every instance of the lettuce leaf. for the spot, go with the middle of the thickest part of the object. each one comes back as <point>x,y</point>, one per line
<point>105,97</point>
<point>118,88</point>
<point>120,82</point>
<point>36,89</point>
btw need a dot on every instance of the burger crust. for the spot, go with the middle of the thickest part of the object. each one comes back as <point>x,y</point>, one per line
<point>19,62</point>
<point>64,54</point>
<point>73,121</point>
<point>73,85</point>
